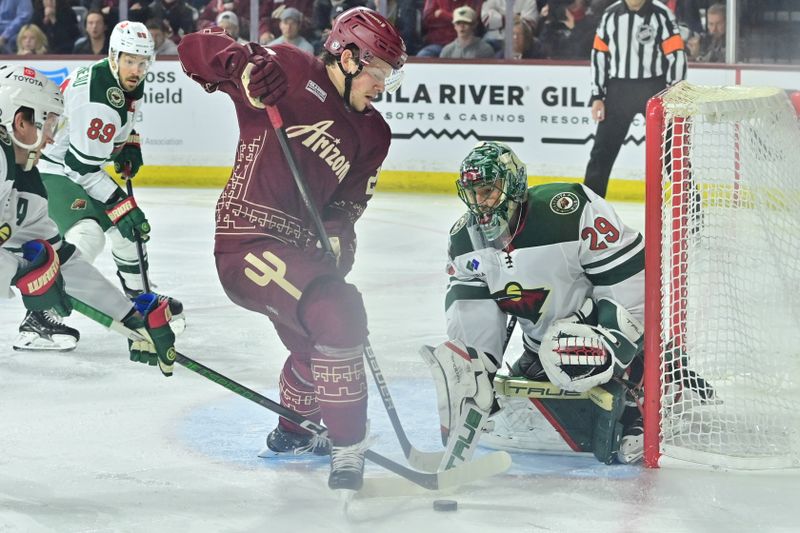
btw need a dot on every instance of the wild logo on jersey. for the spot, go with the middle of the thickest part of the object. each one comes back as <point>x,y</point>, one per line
<point>525,303</point>
<point>5,233</point>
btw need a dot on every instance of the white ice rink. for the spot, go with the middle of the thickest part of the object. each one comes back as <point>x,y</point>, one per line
<point>91,442</point>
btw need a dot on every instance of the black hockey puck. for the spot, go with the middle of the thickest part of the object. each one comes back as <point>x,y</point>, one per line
<point>445,505</point>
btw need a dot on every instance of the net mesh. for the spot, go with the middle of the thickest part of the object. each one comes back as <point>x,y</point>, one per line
<point>730,294</point>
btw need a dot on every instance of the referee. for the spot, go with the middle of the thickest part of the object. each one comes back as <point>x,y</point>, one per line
<point>637,52</point>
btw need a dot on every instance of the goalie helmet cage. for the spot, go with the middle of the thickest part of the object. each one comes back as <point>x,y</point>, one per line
<point>722,279</point>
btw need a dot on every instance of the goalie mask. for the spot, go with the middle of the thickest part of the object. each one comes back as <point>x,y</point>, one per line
<point>492,183</point>
<point>25,87</point>
<point>130,38</point>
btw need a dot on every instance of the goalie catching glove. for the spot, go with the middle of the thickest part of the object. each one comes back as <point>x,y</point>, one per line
<point>150,318</point>
<point>577,357</point>
<point>465,394</point>
<point>40,281</point>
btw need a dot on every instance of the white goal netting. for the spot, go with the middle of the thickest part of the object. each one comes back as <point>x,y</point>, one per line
<point>729,290</point>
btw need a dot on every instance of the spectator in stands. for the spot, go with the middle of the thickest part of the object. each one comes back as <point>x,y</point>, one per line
<point>31,40</point>
<point>160,32</point>
<point>58,22</point>
<point>466,45</point>
<point>13,15</point>
<point>177,13</point>
<point>493,17</point>
<point>110,9</point>
<point>525,44</point>
<point>95,42</point>
<point>210,12</point>
<point>324,11</point>
<point>709,47</point>
<point>687,12</point>
<point>228,21</point>
<point>406,16</point>
<point>563,36</point>
<point>269,17</point>
<point>291,21</point>
<point>437,24</point>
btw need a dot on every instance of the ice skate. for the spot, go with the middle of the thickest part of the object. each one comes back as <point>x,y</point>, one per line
<point>631,446</point>
<point>347,466</point>
<point>286,442</point>
<point>42,331</point>
<point>178,321</point>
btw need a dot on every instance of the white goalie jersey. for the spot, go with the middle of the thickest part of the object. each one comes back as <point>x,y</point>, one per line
<point>570,245</point>
<point>98,118</point>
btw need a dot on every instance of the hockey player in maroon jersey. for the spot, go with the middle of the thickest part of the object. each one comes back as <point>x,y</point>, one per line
<point>268,256</point>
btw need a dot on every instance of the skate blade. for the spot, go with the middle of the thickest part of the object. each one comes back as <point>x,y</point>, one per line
<point>31,342</point>
<point>345,499</point>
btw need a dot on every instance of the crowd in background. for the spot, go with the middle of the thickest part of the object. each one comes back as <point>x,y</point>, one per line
<point>543,29</point>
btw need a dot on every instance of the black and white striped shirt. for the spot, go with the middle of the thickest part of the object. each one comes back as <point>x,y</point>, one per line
<point>634,45</point>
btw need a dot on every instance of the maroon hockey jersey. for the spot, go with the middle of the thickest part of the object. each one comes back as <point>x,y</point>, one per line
<point>339,152</point>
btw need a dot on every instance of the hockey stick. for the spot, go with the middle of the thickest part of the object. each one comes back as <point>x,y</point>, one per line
<point>512,323</point>
<point>428,461</point>
<point>126,174</point>
<point>488,465</point>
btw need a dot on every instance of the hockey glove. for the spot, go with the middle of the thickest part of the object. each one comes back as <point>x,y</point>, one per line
<point>264,81</point>
<point>130,154</point>
<point>127,217</point>
<point>152,321</point>
<point>577,357</point>
<point>40,281</point>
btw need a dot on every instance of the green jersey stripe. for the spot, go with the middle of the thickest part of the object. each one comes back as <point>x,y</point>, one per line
<point>78,166</point>
<point>614,257</point>
<point>466,292</point>
<point>620,273</point>
<point>86,157</point>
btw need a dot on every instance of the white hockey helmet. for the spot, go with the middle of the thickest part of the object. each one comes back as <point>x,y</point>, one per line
<point>130,38</point>
<point>22,86</point>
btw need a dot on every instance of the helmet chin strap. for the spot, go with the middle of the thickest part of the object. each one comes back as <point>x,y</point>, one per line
<point>348,81</point>
<point>31,148</point>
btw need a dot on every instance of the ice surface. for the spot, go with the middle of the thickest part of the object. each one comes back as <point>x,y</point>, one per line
<point>94,443</point>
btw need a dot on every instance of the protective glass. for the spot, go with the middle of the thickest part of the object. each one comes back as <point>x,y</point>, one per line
<point>49,127</point>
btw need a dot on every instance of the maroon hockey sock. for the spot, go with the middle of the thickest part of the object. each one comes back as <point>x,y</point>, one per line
<point>342,395</point>
<point>297,392</point>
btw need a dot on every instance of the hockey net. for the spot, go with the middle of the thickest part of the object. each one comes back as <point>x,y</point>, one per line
<point>723,278</point>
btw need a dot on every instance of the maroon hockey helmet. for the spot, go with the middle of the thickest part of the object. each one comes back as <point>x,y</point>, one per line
<point>371,33</point>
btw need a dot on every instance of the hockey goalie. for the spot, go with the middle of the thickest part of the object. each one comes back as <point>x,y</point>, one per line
<point>558,259</point>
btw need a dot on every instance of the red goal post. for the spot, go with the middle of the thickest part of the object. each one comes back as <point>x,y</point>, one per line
<point>722,231</point>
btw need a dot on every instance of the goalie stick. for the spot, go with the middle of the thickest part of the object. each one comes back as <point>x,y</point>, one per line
<point>486,466</point>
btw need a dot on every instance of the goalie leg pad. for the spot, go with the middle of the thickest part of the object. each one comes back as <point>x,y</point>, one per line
<point>607,426</point>
<point>459,373</point>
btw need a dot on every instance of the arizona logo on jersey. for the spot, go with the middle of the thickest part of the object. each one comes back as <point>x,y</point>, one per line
<point>525,303</point>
